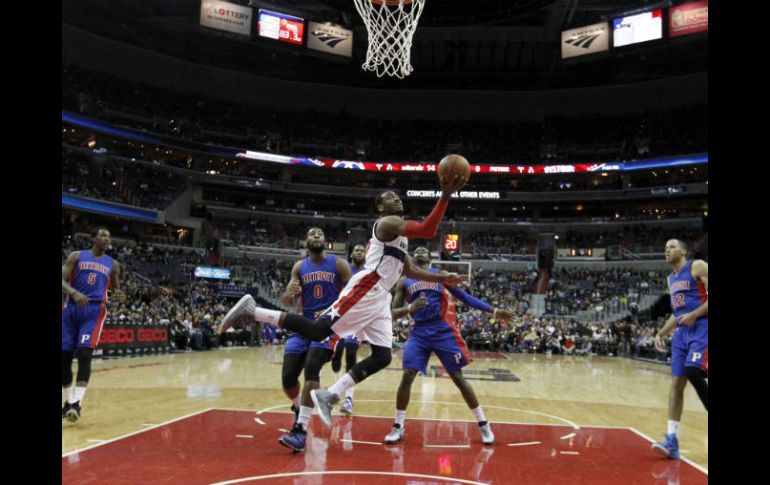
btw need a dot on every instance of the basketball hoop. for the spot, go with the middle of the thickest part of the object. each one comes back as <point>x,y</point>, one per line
<point>390,25</point>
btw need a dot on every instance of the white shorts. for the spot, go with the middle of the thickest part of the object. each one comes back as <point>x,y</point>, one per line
<point>363,310</point>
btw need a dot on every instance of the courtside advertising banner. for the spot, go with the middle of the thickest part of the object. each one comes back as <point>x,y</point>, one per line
<point>226,16</point>
<point>588,39</point>
<point>331,38</point>
<point>132,336</point>
<point>689,18</point>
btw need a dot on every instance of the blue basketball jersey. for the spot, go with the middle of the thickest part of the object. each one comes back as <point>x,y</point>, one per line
<point>91,275</point>
<point>440,305</point>
<point>320,285</point>
<point>354,270</point>
<point>687,294</point>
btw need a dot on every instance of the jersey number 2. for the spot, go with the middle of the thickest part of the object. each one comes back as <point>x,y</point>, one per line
<point>318,291</point>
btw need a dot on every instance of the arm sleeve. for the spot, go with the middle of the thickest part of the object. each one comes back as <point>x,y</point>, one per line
<point>470,300</point>
<point>427,228</point>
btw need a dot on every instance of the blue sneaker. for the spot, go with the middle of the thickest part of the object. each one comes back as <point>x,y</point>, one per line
<point>295,440</point>
<point>668,448</point>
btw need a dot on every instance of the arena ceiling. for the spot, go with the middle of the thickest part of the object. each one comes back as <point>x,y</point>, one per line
<point>471,44</point>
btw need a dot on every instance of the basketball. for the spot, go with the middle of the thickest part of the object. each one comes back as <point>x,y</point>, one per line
<point>452,165</point>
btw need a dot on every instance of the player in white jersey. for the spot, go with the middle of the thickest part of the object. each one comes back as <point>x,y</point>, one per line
<point>363,307</point>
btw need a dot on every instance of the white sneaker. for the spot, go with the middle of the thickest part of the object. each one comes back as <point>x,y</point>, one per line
<point>245,307</point>
<point>487,436</point>
<point>324,402</point>
<point>396,435</point>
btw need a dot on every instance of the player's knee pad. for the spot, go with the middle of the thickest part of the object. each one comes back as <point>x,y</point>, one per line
<point>350,356</point>
<point>292,368</point>
<point>66,368</point>
<point>316,358</point>
<point>379,359</point>
<point>84,364</point>
<point>694,374</point>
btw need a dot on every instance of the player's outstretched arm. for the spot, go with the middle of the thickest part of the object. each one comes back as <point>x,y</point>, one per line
<point>391,227</point>
<point>413,271</point>
<point>293,289</point>
<point>66,273</point>
<point>474,302</point>
<point>117,293</point>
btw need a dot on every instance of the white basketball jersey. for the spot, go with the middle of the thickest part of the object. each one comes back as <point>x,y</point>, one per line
<point>386,258</point>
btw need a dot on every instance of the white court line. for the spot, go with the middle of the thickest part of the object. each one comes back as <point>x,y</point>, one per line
<point>97,441</point>
<point>447,446</point>
<point>244,436</point>
<point>259,421</point>
<point>283,430</point>
<point>568,436</point>
<point>558,418</point>
<point>137,432</point>
<point>569,452</point>
<point>148,424</point>
<point>689,462</point>
<point>431,419</point>
<point>526,444</point>
<point>346,472</point>
<point>364,442</point>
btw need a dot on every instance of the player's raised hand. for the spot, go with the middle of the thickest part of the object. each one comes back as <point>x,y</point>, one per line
<point>452,280</point>
<point>80,298</point>
<point>453,185</point>
<point>502,314</point>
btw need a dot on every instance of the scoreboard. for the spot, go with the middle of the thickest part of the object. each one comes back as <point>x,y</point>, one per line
<point>452,243</point>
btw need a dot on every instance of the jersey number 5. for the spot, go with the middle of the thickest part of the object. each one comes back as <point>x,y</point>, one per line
<point>92,278</point>
<point>318,291</point>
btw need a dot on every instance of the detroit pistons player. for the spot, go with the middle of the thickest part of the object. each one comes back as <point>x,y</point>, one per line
<point>85,278</point>
<point>363,307</point>
<point>688,285</point>
<point>435,331</point>
<point>317,279</point>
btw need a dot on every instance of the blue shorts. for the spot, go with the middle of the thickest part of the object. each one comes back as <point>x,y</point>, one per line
<point>690,348</point>
<point>81,326</point>
<point>329,343</point>
<point>439,337</point>
<point>296,344</point>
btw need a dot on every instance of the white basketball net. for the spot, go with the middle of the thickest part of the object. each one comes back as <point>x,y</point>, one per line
<point>390,32</point>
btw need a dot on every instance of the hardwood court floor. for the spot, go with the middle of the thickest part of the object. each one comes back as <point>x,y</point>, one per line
<point>129,395</point>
